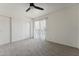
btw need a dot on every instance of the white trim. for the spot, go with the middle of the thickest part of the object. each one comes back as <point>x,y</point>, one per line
<point>10,30</point>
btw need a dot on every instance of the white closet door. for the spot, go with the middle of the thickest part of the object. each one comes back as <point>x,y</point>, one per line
<point>4,30</point>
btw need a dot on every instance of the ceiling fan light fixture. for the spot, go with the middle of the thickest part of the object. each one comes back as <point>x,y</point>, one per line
<point>33,6</point>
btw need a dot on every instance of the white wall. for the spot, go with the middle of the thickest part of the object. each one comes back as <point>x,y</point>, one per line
<point>63,26</point>
<point>4,30</point>
<point>19,27</point>
<point>19,19</point>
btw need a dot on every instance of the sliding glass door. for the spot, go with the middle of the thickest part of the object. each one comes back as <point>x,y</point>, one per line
<point>40,29</point>
<point>36,30</point>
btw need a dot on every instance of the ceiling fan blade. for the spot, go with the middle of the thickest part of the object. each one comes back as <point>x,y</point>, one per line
<point>28,9</point>
<point>38,8</point>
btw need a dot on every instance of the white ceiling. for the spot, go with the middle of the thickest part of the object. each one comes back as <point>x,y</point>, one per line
<point>48,8</point>
<point>11,8</point>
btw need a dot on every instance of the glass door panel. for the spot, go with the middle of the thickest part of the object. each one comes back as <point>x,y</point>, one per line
<point>40,29</point>
<point>36,30</point>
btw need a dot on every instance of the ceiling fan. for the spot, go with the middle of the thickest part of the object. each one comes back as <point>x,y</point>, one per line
<point>32,5</point>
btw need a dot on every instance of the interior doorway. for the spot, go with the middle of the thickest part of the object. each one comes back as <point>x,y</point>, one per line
<point>40,29</point>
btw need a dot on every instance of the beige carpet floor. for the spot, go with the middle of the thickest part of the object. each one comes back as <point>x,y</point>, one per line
<point>34,47</point>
